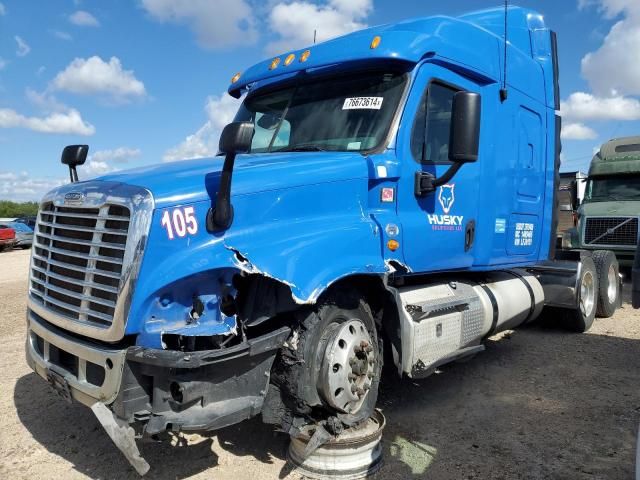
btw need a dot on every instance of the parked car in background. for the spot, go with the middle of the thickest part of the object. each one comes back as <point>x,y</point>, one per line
<point>28,220</point>
<point>7,237</point>
<point>24,233</point>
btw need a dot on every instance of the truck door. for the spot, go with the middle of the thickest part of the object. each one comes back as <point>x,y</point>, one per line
<point>524,230</point>
<point>438,227</point>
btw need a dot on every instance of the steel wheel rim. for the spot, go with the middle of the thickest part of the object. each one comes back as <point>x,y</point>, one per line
<point>348,367</point>
<point>612,288</point>
<point>587,294</point>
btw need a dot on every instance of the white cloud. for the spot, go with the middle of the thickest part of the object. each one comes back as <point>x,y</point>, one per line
<point>23,49</point>
<point>3,63</point>
<point>117,155</point>
<point>585,106</point>
<point>611,69</point>
<point>204,143</point>
<point>577,131</point>
<point>94,168</point>
<point>294,23</point>
<point>102,162</point>
<point>216,24</point>
<point>61,35</point>
<point>22,186</point>
<point>45,101</point>
<point>69,122</point>
<point>95,76</point>
<point>3,10</point>
<point>84,19</point>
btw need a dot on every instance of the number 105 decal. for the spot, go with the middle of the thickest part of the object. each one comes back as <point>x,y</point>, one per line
<point>180,222</point>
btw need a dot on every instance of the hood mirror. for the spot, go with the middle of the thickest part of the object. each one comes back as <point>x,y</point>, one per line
<point>74,155</point>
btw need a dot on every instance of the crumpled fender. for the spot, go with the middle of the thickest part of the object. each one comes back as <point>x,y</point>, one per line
<point>307,237</point>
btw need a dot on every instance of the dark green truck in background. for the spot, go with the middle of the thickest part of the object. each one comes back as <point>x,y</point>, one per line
<point>608,216</point>
<point>607,227</point>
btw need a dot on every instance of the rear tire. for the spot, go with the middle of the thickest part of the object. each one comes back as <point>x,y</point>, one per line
<point>608,280</point>
<point>581,319</point>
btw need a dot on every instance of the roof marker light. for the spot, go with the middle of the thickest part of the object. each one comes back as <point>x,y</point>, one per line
<point>274,63</point>
<point>236,77</point>
<point>290,58</point>
<point>305,55</point>
<point>375,42</point>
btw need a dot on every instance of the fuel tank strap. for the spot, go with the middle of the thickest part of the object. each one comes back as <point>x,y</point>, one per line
<point>532,295</point>
<point>494,306</point>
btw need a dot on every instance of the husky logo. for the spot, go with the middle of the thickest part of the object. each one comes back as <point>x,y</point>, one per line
<point>446,198</point>
<point>446,222</point>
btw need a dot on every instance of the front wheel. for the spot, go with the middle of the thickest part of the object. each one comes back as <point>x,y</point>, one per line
<point>339,362</point>
<point>608,278</point>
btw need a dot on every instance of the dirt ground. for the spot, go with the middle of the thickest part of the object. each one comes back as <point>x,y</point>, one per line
<point>539,403</point>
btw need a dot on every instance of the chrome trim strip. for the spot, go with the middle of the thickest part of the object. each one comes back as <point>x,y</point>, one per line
<point>81,389</point>
<point>98,194</point>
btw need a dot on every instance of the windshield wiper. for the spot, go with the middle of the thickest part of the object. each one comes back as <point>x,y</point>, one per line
<point>303,147</point>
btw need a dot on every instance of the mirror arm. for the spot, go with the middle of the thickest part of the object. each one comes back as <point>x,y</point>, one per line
<point>73,173</point>
<point>426,182</point>
<point>221,216</point>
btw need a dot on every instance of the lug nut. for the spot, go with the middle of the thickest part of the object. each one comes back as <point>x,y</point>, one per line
<point>359,392</point>
<point>369,349</point>
<point>370,375</point>
<point>366,387</point>
<point>364,344</point>
<point>353,389</point>
<point>352,376</point>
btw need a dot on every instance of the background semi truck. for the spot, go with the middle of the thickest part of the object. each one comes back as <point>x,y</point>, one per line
<point>608,216</point>
<point>387,196</point>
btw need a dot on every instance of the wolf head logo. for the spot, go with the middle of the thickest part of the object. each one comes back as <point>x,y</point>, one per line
<point>446,197</point>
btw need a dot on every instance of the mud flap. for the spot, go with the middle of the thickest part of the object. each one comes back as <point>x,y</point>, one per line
<point>122,435</point>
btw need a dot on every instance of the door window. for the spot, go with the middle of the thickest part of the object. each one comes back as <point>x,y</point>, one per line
<point>432,126</point>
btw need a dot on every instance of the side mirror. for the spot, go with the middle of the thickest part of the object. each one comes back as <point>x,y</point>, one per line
<point>74,155</point>
<point>236,138</point>
<point>464,142</point>
<point>464,139</point>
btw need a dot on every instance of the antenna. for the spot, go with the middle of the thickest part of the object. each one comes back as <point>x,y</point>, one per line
<point>503,91</point>
<point>314,36</point>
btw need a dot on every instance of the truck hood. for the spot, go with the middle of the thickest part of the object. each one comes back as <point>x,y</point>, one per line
<point>610,209</point>
<point>197,180</point>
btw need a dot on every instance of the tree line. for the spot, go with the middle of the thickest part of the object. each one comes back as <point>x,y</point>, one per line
<point>9,209</point>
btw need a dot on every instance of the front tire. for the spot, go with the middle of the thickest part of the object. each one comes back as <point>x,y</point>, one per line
<point>608,280</point>
<point>339,362</point>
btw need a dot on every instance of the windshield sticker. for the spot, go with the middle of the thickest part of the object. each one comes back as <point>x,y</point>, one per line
<point>354,145</point>
<point>358,103</point>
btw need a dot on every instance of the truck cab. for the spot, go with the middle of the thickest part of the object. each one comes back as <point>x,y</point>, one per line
<point>389,194</point>
<point>609,213</point>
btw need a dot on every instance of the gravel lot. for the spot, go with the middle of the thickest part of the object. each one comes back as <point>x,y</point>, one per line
<point>539,403</point>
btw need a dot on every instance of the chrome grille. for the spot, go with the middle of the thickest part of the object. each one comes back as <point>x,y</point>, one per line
<point>611,231</point>
<point>77,261</point>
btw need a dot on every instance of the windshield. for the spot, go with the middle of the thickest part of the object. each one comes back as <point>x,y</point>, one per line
<point>339,114</point>
<point>602,189</point>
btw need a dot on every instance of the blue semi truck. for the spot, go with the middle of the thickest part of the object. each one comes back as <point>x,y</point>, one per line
<point>387,196</point>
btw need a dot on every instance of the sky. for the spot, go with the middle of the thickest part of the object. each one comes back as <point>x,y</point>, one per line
<point>144,81</point>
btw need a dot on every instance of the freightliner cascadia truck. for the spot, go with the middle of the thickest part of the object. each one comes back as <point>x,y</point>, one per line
<point>385,196</point>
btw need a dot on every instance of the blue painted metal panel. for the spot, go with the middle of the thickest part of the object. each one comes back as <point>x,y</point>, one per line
<point>311,218</point>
